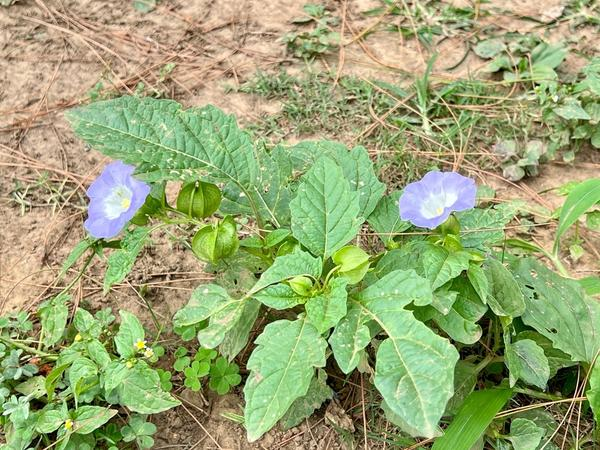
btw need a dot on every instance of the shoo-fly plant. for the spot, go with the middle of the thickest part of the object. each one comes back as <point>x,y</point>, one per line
<point>283,229</point>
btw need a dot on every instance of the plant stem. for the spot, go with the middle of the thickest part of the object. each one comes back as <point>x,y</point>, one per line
<point>26,348</point>
<point>536,394</point>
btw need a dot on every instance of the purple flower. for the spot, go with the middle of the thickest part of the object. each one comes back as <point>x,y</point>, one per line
<point>429,202</point>
<point>115,196</point>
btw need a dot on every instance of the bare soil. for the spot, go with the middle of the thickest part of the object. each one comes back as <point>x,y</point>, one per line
<point>53,53</point>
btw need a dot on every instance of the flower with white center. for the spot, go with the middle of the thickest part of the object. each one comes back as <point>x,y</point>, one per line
<point>428,203</point>
<point>115,196</point>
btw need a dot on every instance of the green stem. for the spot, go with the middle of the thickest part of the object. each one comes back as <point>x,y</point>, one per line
<point>536,394</point>
<point>555,259</point>
<point>80,274</point>
<point>26,348</point>
<point>489,359</point>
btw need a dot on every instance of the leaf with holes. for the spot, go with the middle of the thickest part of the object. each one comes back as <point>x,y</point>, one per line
<point>558,309</point>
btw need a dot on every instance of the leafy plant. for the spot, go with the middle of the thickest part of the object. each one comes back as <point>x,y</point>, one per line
<point>320,39</point>
<point>520,161</point>
<point>69,388</point>
<point>401,314</point>
<point>140,431</point>
<point>522,57</point>
<point>572,110</point>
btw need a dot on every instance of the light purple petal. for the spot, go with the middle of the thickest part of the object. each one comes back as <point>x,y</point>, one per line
<point>428,203</point>
<point>114,186</point>
<point>102,228</point>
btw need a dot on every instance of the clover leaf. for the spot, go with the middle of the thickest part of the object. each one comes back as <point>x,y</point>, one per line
<point>223,376</point>
<point>140,431</point>
<point>194,372</point>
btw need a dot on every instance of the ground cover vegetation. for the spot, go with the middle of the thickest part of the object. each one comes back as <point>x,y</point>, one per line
<point>332,264</point>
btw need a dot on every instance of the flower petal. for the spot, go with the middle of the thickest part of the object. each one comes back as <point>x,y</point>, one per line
<point>428,203</point>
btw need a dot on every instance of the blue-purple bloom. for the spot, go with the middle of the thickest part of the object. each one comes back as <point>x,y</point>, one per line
<point>115,196</point>
<point>429,202</point>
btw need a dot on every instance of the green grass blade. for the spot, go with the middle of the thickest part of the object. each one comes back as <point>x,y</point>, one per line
<point>583,197</point>
<point>472,419</point>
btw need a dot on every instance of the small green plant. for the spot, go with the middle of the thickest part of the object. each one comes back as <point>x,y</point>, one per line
<point>410,311</point>
<point>65,384</point>
<point>139,431</point>
<point>522,57</point>
<point>520,160</point>
<point>427,21</point>
<point>320,39</point>
<point>222,374</point>
<point>572,111</point>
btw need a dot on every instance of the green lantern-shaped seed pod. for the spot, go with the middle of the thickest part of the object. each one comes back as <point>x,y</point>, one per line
<point>213,243</point>
<point>353,263</point>
<point>199,199</point>
<point>301,285</point>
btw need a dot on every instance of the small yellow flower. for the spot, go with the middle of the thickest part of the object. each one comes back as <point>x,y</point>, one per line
<point>68,424</point>
<point>149,353</point>
<point>140,344</point>
<point>78,337</point>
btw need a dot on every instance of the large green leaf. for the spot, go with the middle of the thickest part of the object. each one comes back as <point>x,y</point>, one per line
<point>441,266</point>
<point>168,142</point>
<point>558,309</point>
<point>583,197</point>
<point>83,371</point>
<point>415,367</point>
<point>472,419</point>
<point>237,337</point>
<point>211,302</point>
<point>461,320</point>
<point>140,390</point>
<point>160,133</point>
<point>53,318</point>
<point>325,209</point>
<point>526,361</point>
<point>325,310</point>
<point>431,261</point>
<point>556,358</point>
<point>571,109</point>
<point>303,407</point>
<point>89,418</point>
<point>279,296</point>
<point>130,332</point>
<point>356,166</point>
<point>281,369</point>
<point>120,262</point>
<point>349,338</point>
<point>205,300</point>
<point>505,297</point>
<point>481,228</point>
<point>385,218</point>
<point>401,287</point>
<point>525,434</point>
<point>289,266</point>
